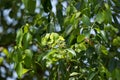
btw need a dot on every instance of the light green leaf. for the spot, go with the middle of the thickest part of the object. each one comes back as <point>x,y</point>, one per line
<point>77,14</point>
<point>116,41</point>
<point>71,51</point>
<point>1,60</point>
<point>74,74</point>
<point>104,50</point>
<point>19,69</point>
<point>99,17</point>
<point>5,51</point>
<point>24,71</point>
<point>28,53</point>
<point>80,38</point>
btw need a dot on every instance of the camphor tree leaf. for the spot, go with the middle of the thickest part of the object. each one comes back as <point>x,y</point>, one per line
<point>86,20</point>
<point>99,17</point>
<point>92,75</point>
<point>80,38</point>
<point>116,41</point>
<point>5,51</point>
<point>104,50</point>
<point>71,51</point>
<point>19,69</point>
<point>59,13</point>
<point>1,60</point>
<point>26,39</point>
<point>46,5</point>
<point>74,74</point>
<point>30,5</point>
<point>19,37</point>
<point>28,58</point>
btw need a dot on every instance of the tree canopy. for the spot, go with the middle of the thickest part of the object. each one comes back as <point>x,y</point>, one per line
<point>60,39</point>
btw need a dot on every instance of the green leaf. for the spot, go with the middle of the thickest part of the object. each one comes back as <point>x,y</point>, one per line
<point>1,60</point>
<point>29,53</point>
<point>116,41</point>
<point>103,35</point>
<point>74,74</point>
<point>26,28</point>
<point>92,75</point>
<point>19,37</point>
<point>71,51</point>
<point>24,71</point>
<point>80,38</point>
<point>111,64</point>
<point>26,40</point>
<point>19,69</point>
<point>60,14</point>
<point>28,58</point>
<point>46,5</point>
<point>99,17</point>
<point>86,20</point>
<point>5,51</point>
<point>107,13</point>
<point>30,5</point>
<point>77,14</point>
<point>104,50</point>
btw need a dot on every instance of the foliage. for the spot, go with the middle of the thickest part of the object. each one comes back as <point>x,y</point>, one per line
<point>78,41</point>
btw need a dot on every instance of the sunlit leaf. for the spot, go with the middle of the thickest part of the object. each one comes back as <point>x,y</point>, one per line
<point>5,51</point>
<point>71,51</point>
<point>74,74</point>
<point>104,50</point>
<point>24,71</point>
<point>80,38</point>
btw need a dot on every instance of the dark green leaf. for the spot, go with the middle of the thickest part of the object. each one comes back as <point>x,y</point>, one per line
<point>46,5</point>
<point>30,5</point>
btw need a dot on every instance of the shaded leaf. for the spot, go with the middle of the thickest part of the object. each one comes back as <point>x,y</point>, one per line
<point>46,5</point>
<point>30,5</point>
